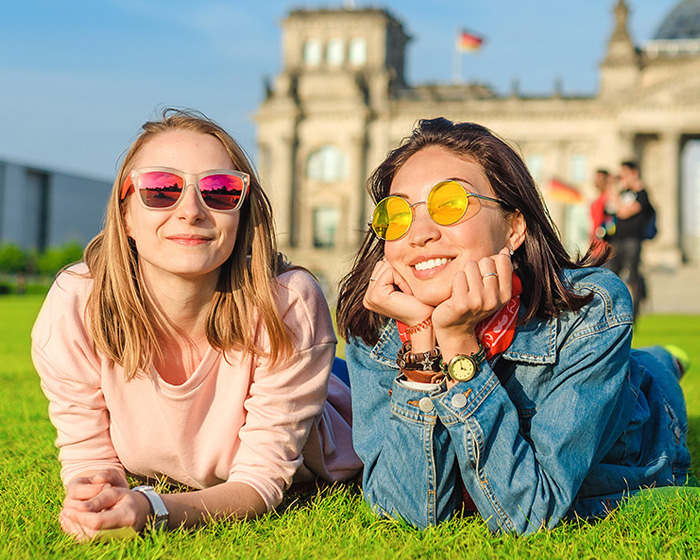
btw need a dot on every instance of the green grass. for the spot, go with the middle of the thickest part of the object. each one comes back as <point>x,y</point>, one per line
<point>329,523</point>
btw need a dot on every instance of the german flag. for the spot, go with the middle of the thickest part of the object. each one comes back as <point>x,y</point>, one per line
<point>467,41</point>
<point>561,192</point>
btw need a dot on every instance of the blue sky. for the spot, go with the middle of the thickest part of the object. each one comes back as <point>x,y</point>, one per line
<point>78,77</point>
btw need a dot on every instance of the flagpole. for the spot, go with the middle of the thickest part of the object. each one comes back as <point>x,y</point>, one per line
<point>457,61</point>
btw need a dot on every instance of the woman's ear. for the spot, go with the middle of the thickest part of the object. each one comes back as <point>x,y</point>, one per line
<point>518,229</point>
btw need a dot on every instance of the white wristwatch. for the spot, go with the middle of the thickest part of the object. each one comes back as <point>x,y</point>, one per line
<point>159,511</point>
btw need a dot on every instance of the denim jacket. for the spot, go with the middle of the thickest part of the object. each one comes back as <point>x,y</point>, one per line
<point>566,422</point>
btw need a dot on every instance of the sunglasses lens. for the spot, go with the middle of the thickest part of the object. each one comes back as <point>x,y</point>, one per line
<point>222,192</point>
<point>447,203</point>
<point>160,189</point>
<point>392,217</point>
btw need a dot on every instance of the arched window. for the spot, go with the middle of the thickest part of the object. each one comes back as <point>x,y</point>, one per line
<point>334,52</point>
<point>357,52</point>
<point>326,164</point>
<point>312,52</point>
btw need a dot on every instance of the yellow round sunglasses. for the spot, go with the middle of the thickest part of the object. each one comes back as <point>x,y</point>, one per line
<point>447,203</point>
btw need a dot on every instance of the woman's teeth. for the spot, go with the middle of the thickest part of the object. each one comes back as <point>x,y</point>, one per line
<point>432,263</point>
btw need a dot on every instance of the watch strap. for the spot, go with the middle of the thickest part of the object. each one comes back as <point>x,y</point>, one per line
<point>159,512</point>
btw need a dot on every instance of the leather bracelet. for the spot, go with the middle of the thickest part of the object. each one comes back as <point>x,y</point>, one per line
<point>433,377</point>
<point>421,361</point>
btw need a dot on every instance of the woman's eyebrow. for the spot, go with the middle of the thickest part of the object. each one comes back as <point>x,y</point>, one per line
<point>460,180</point>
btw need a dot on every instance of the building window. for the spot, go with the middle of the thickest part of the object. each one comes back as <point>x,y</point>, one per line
<point>357,52</point>
<point>312,52</point>
<point>535,163</point>
<point>326,164</point>
<point>325,221</point>
<point>578,171</point>
<point>334,52</point>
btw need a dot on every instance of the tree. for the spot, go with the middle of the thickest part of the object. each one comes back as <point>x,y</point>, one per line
<point>13,259</point>
<point>55,258</point>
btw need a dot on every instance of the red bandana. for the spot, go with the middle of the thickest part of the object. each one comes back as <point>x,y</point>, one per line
<point>497,331</point>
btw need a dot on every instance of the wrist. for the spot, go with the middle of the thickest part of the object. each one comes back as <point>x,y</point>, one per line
<point>463,343</point>
<point>156,513</point>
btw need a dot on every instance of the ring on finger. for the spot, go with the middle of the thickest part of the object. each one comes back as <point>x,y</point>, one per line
<point>489,274</point>
<point>373,279</point>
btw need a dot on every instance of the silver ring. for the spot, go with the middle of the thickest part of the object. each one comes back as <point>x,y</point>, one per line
<point>489,274</point>
<point>372,279</point>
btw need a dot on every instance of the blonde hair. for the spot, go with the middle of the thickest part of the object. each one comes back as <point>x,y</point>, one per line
<point>117,313</point>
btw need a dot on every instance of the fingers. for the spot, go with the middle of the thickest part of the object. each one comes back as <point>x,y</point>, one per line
<point>389,294</point>
<point>478,291</point>
<point>83,489</point>
<point>110,476</point>
<point>114,508</point>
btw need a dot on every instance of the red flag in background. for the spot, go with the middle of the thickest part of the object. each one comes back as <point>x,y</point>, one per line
<point>468,41</point>
<point>561,192</point>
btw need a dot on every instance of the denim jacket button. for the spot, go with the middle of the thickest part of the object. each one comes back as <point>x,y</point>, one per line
<point>459,400</point>
<point>425,404</point>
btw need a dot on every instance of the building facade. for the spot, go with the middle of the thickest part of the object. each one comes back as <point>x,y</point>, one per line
<point>342,102</point>
<point>40,208</point>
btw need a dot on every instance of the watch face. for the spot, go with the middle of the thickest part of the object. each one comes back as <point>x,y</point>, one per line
<point>462,368</point>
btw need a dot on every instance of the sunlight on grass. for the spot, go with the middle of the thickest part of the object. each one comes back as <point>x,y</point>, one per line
<point>328,523</point>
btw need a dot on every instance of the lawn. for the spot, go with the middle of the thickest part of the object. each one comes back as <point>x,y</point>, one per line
<point>330,523</point>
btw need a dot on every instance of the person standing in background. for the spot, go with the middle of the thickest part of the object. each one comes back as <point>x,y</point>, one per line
<point>600,221</point>
<point>632,210</point>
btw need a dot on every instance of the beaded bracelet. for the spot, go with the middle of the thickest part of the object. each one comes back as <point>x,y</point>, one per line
<point>420,326</point>
<point>421,361</point>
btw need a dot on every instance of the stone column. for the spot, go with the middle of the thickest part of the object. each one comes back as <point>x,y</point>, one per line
<point>282,184</point>
<point>665,198</point>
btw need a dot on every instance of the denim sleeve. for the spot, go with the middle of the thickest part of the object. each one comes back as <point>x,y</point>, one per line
<point>519,481</point>
<point>410,465</point>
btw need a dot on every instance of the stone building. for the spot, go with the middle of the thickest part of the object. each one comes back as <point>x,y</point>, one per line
<point>342,101</point>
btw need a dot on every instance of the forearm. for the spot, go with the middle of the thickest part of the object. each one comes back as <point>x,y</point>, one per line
<point>230,500</point>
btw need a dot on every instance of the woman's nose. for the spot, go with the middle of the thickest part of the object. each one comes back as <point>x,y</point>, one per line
<point>191,205</point>
<point>423,229</point>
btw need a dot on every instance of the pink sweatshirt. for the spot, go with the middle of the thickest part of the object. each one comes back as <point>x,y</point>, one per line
<point>237,421</point>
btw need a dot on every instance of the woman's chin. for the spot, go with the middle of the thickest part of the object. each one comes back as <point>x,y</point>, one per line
<point>433,297</point>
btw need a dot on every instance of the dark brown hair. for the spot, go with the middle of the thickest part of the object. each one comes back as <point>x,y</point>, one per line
<point>538,261</point>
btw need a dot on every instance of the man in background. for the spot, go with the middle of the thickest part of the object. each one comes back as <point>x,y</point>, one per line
<point>632,210</point>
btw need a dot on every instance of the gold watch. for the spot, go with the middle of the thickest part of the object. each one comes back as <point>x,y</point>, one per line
<point>463,368</point>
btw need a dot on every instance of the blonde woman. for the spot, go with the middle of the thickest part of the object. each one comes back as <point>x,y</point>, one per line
<point>186,349</point>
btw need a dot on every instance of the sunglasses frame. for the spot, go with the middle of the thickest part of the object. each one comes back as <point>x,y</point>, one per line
<point>131,181</point>
<point>467,192</point>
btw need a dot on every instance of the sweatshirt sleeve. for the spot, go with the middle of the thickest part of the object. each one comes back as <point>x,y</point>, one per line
<point>285,398</point>
<point>70,374</point>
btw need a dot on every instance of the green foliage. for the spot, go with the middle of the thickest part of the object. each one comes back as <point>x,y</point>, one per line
<point>318,523</point>
<point>54,259</point>
<point>13,258</point>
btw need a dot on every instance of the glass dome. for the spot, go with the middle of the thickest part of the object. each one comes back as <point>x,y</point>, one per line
<point>682,22</point>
